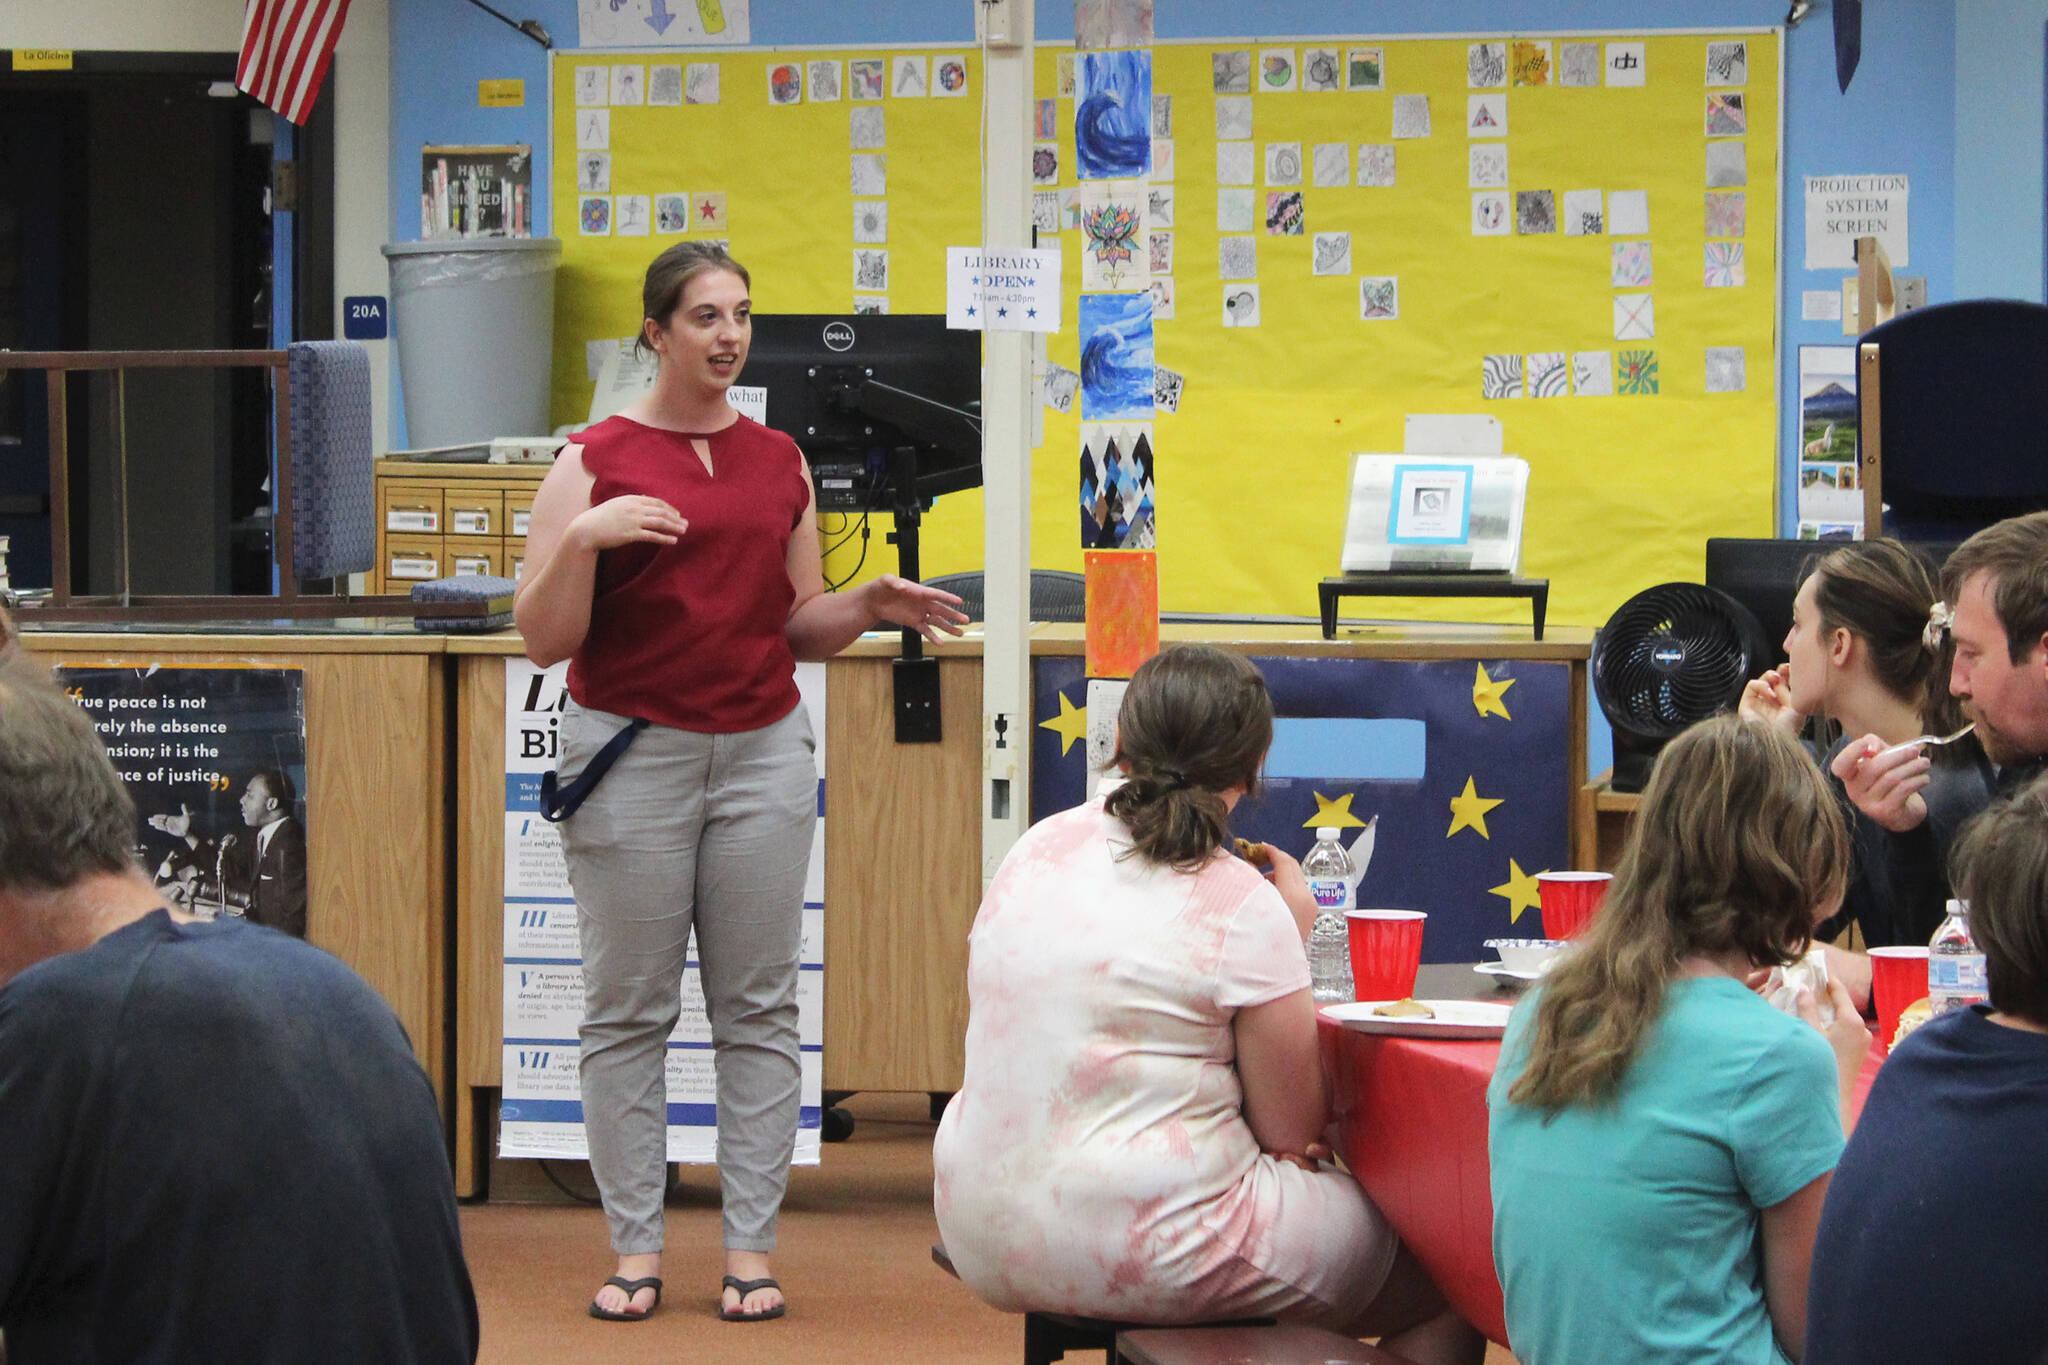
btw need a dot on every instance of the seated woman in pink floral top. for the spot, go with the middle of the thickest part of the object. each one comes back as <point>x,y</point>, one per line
<point>1138,1130</point>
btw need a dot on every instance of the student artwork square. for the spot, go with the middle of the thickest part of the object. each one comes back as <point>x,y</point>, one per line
<point>1625,64</point>
<point>1500,376</point>
<point>1727,214</point>
<point>1230,73</point>
<point>868,78</point>
<point>1113,240</point>
<point>871,220</point>
<point>1331,254</point>
<point>1236,210</point>
<point>1631,265</point>
<point>593,86</point>
<point>1167,386</point>
<point>1059,387</point>
<point>1578,65</point>
<point>1535,212</point>
<point>1486,65</point>
<point>1045,163</point>
<point>1240,305</point>
<point>1162,159</point>
<point>1116,356</point>
<point>869,174</point>
<point>1487,166</point>
<point>1486,116</point>
<point>1727,165</point>
<point>1726,115</point>
<point>1159,206</point>
<point>594,172</point>
<point>671,213</point>
<point>1593,373</point>
<point>634,216</point>
<point>1548,374</point>
<point>1628,213</point>
<point>907,77</point>
<point>593,130</point>
<point>1162,116</point>
<point>629,85</point>
<point>1582,213</point>
<point>1277,69</point>
<point>1162,298</point>
<point>1490,214</point>
<point>1065,67</point>
<point>1161,253</point>
<point>1283,163</point>
<point>1117,511</point>
<point>1321,70</point>
<point>1529,61</point>
<point>1045,118</point>
<point>1233,117</point>
<point>707,211</point>
<point>1725,370</point>
<point>665,87</point>
<point>1376,164</point>
<point>1636,372</point>
<point>594,215</point>
<point>1365,68</point>
<point>870,270</point>
<point>1235,163</point>
<point>1112,115</point>
<point>1331,164</point>
<point>1728,63</point>
<point>785,83</point>
<point>870,303</point>
<point>1379,298</point>
<point>1411,116</point>
<point>1112,23</point>
<point>1635,317</point>
<point>1724,267</point>
<point>866,130</point>
<point>1045,211</point>
<point>1237,258</point>
<point>700,83</point>
<point>823,81</point>
<point>1286,214</point>
<point>949,76</point>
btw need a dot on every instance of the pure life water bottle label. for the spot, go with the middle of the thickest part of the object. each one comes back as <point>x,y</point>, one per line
<point>1331,893</point>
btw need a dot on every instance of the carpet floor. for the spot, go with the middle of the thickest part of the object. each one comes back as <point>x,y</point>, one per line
<point>855,1261</point>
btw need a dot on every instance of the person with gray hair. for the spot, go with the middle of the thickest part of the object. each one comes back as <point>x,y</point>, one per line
<point>215,1142</point>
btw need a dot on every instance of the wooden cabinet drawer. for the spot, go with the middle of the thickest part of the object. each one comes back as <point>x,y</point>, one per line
<point>413,559</point>
<point>475,512</point>
<point>518,506</point>
<point>515,557</point>
<point>467,556</point>
<point>405,508</point>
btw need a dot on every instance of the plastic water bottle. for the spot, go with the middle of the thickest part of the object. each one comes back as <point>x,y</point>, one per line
<point>1328,870</point>
<point>1955,964</point>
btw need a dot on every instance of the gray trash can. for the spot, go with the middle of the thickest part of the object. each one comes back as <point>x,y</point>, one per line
<point>475,323</point>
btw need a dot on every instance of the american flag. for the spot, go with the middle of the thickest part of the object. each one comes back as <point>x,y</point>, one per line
<point>286,46</point>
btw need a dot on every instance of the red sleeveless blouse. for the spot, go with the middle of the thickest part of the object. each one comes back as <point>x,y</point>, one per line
<point>690,635</point>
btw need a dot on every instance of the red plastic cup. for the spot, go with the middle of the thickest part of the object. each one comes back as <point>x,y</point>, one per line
<point>1569,900</point>
<point>1386,952</point>
<point>1898,977</point>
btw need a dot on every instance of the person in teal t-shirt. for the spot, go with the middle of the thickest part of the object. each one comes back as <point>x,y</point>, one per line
<point>1660,1137</point>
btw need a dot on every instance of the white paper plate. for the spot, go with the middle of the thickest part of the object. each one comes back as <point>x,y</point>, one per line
<point>1454,1019</point>
<point>1502,969</point>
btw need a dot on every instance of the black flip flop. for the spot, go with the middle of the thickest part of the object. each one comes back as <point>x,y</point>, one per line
<point>631,1287</point>
<point>744,1288</point>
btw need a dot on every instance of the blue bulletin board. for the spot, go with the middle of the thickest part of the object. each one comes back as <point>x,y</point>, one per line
<point>1462,761</point>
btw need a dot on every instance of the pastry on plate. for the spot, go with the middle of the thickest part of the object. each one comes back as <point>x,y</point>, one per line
<point>1409,1008</point>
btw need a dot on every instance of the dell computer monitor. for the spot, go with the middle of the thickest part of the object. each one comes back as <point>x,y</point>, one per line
<point>854,389</point>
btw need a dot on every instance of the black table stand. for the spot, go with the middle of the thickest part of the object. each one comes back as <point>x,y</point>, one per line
<point>1537,590</point>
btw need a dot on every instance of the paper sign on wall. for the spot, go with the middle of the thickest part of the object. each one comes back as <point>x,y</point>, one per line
<point>1841,208</point>
<point>661,23</point>
<point>1002,290</point>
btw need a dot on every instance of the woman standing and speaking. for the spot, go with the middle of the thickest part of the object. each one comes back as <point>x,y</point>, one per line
<point>673,559</point>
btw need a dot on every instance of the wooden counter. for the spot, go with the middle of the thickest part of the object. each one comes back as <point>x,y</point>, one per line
<point>902,844</point>
<point>376,789</point>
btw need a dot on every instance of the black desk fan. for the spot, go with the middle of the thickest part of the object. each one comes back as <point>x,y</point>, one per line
<point>1669,657</point>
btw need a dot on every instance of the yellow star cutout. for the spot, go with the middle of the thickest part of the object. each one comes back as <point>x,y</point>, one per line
<point>1519,889</point>
<point>1336,813</point>
<point>1468,811</point>
<point>1487,693</point>
<point>1070,724</point>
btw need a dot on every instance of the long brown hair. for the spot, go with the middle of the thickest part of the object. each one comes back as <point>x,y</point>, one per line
<point>1736,846</point>
<point>1879,591</point>
<point>1195,722</point>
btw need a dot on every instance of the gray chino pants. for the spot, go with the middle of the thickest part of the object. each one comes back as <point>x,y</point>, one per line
<point>711,832</point>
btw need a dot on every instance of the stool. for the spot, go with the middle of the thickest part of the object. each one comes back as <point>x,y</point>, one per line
<point>1453,584</point>
<point>1049,1336</point>
<point>1246,1346</point>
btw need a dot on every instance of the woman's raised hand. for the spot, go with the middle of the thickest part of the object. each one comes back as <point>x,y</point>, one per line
<point>627,519</point>
<point>1768,699</point>
<point>923,609</point>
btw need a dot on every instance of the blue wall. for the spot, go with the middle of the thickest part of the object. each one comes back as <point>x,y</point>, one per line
<point>1999,148</point>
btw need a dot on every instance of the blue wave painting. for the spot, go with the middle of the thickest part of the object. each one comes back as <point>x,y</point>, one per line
<point>1113,115</point>
<point>1116,356</point>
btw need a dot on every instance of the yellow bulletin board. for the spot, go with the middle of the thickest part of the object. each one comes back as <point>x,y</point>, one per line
<point>1252,469</point>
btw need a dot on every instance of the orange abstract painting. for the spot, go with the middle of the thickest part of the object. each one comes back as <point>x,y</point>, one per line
<point>1123,611</point>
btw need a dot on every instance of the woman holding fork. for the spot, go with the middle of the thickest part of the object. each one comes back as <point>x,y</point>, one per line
<point>1858,660</point>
